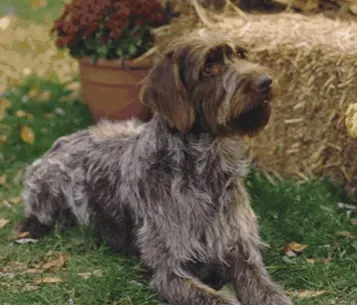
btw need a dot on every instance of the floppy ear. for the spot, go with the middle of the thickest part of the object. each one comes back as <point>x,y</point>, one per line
<point>164,92</point>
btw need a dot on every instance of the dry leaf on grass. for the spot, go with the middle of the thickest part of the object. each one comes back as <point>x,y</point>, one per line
<point>320,260</point>
<point>3,180</point>
<point>49,280</point>
<point>55,261</point>
<point>44,95</point>
<point>15,200</point>
<point>3,222</point>
<point>49,116</point>
<point>7,275</point>
<point>347,234</point>
<point>75,87</point>
<point>306,293</point>
<point>86,275</point>
<point>27,135</point>
<point>4,104</point>
<point>19,235</point>
<point>21,113</point>
<point>33,271</point>
<point>3,139</point>
<point>4,22</point>
<point>293,248</point>
<point>29,287</point>
<point>353,221</point>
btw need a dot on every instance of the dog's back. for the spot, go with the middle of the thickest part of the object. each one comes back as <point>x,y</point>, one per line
<point>55,186</point>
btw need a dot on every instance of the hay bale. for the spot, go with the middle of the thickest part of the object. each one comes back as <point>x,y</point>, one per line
<point>315,60</point>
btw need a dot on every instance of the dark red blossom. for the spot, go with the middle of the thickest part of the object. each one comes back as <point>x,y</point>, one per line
<point>104,20</point>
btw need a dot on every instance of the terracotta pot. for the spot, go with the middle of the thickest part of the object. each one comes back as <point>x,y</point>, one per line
<point>111,90</point>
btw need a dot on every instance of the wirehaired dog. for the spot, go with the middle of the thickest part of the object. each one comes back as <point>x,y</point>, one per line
<point>171,190</point>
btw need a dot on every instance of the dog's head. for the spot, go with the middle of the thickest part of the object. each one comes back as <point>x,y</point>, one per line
<point>205,82</point>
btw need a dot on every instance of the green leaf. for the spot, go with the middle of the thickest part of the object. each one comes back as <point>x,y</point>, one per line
<point>119,52</point>
<point>132,49</point>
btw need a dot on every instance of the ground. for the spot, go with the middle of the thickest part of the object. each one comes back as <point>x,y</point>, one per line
<point>71,268</point>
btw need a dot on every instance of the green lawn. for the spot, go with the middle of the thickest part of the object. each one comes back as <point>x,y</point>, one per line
<point>305,213</point>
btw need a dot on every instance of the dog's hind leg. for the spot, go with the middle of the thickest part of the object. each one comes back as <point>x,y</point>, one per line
<point>44,200</point>
<point>39,213</point>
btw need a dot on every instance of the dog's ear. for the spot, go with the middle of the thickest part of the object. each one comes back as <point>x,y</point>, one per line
<point>165,93</point>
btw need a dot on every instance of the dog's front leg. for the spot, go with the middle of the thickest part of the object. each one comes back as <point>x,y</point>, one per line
<point>253,284</point>
<point>185,291</point>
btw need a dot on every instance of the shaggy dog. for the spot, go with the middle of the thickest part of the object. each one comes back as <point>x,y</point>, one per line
<point>171,190</point>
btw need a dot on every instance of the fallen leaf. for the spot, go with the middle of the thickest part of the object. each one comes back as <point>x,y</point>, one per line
<point>27,134</point>
<point>35,4</point>
<point>29,287</point>
<point>306,293</point>
<point>72,86</point>
<point>15,200</point>
<point>33,93</point>
<point>3,222</point>
<point>320,260</point>
<point>353,221</point>
<point>75,87</point>
<point>86,275</point>
<point>49,116</point>
<point>346,234</point>
<point>4,22</point>
<point>310,260</point>
<point>33,271</point>
<point>3,139</point>
<point>60,111</point>
<point>44,95</point>
<point>7,275</point>
<point>26,72</point>
<point>26,241</point>
<point>4,104</point>
<point>56,261</point>
<point>19,176</point>
<point>49,280</point>
<point>21,113</point>
<point>293,248</point>
<point>19,235</point>
<point>3,180</point>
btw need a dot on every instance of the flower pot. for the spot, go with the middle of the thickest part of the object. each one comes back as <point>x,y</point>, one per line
<point>112,91</point>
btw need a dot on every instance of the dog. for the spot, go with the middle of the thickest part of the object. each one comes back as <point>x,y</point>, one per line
<point>171,190</point>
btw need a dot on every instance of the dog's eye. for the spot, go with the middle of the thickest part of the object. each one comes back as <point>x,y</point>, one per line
<point>209,69</point>
<point>242,53</point>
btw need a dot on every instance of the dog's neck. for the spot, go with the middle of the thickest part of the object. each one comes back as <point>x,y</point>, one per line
<point>230,151</point>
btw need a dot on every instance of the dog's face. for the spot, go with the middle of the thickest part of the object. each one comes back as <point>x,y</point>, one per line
<point>205,82</point>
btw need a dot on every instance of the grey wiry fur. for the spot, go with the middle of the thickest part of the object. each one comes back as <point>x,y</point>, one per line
<point>171,190</point>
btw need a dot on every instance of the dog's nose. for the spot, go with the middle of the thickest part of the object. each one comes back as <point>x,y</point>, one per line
<point>263,82</point>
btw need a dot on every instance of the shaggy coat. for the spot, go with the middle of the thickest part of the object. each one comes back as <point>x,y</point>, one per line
<point>171,190</point>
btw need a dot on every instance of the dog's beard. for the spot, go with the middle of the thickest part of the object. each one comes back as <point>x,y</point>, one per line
<point>252,120</point>
<point>244,111</point>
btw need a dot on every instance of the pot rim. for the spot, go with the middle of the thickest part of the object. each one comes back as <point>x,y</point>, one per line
<point>117,64</point>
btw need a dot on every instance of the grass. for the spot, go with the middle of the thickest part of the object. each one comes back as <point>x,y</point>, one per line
<point>306,213</point>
